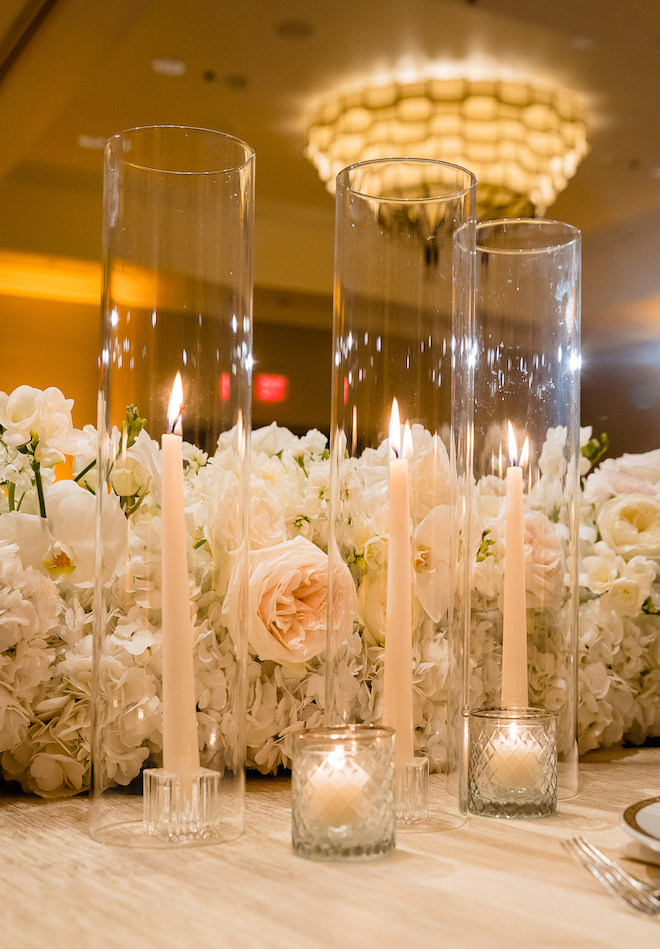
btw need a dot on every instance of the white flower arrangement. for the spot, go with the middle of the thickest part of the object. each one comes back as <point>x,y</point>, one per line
<point>46,604</point>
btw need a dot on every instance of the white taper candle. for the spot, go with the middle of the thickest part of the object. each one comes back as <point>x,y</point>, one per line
<point>398,686</point>
<point>180,748</point>
<point>514,634</point>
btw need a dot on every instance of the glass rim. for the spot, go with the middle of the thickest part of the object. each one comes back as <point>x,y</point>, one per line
<point>113,140</point>
<point>353,733</point>
<point>512,713</point>
<point>573,235</point>
<point>411,160</point>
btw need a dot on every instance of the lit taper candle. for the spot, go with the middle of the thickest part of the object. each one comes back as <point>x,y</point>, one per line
<point>180,748</point>
<point>514,635</point>
<point>398,687</point>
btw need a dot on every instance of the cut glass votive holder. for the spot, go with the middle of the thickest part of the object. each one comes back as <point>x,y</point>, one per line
<point>343,793</point>
<point>512,762</point>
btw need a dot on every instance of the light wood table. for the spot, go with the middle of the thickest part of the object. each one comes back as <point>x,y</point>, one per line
<point>486,884</point>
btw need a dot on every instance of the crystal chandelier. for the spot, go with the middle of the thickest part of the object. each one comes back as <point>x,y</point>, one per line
<point>523,141</point>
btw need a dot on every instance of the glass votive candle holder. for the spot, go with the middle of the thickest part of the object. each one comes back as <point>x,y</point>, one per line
<point>343,793</point>
<point>512,762</point>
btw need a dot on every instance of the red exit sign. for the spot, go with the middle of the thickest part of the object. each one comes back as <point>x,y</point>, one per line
<point>271,388</point>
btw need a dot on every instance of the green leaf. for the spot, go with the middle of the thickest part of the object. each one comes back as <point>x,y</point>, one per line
<point>596,447</point>
<point>484,546</point>
<point>649,608</point>
<point>133,425</point>
<point>199,539</point>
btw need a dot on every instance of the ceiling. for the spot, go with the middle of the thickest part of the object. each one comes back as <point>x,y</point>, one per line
<point>257,68</point>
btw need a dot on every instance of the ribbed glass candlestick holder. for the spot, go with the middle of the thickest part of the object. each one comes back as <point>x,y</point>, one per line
<point>171,480</point>
<point>391,490</point>
<point>516,417</point>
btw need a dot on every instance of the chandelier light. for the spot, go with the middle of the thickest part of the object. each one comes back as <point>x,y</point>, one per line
<point>522,141</point>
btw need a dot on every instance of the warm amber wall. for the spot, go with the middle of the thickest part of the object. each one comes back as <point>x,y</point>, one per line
<point>51,343</point>
<point>45,342</point>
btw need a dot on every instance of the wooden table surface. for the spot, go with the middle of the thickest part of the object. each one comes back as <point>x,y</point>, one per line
<point>485,884</point>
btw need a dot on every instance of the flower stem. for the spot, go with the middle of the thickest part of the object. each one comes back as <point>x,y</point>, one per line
<point>36,467</point>
<point>81,474</point>
<point>11,495</point>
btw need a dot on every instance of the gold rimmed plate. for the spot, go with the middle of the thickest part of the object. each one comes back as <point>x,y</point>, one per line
<point>642,821</point>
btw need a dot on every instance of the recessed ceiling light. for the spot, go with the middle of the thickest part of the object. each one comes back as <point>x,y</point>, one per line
<point>294,29</point>
<point>237,80</point>
<point>168,66</point>
<point>582,43</point>
<point>91,141</point>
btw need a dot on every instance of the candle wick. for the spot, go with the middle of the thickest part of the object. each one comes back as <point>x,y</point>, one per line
<point>176,423</point>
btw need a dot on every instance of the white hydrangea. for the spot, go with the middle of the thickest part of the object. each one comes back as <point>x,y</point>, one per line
<point>46,613</point>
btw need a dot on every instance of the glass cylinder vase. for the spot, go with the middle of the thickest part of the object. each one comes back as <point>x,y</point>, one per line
<point>516,415</point>
<point>391,460</point>
<point>171,481</point>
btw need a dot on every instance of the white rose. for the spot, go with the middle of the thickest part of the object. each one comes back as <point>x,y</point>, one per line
<point>126,477</point>
<point>313,442</point>
<point>273,439</point>
<point>372,599</point>
<point>552,462</point>
<point>57,435</point>
<point>627,593</point>
<point>645,465</point>
<point>489,499</point>
<point>289,600</point>
<point>20,414</point>
<point>599,570</point>
<point>372,605</point>
<point>614,477</point>
<point>630,525</point>
<point>266,517</point>
<point>544,567</point>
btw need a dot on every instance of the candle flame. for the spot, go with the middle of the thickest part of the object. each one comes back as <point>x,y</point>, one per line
<point>395,429</point>
<point>513,449</point>
<point>337,758</point>
<point>524,454</point>
<point>407,442</point>
<point>175,407</point>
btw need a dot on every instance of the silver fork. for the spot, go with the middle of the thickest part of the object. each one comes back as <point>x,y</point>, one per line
<point>636,893</point>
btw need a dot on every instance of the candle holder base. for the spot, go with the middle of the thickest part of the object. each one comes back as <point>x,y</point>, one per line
<point>512,763</point>
<point>412,790</point>
<point>182,808</point>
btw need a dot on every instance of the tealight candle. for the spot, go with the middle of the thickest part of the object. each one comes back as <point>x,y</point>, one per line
<point>337,792</point>
<point>342,792</point>
<point>512,762</point>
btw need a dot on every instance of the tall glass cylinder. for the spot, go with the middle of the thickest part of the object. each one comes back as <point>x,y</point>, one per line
<point>516,416</point>
<point>391,458</point>
<point>171,481</point>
